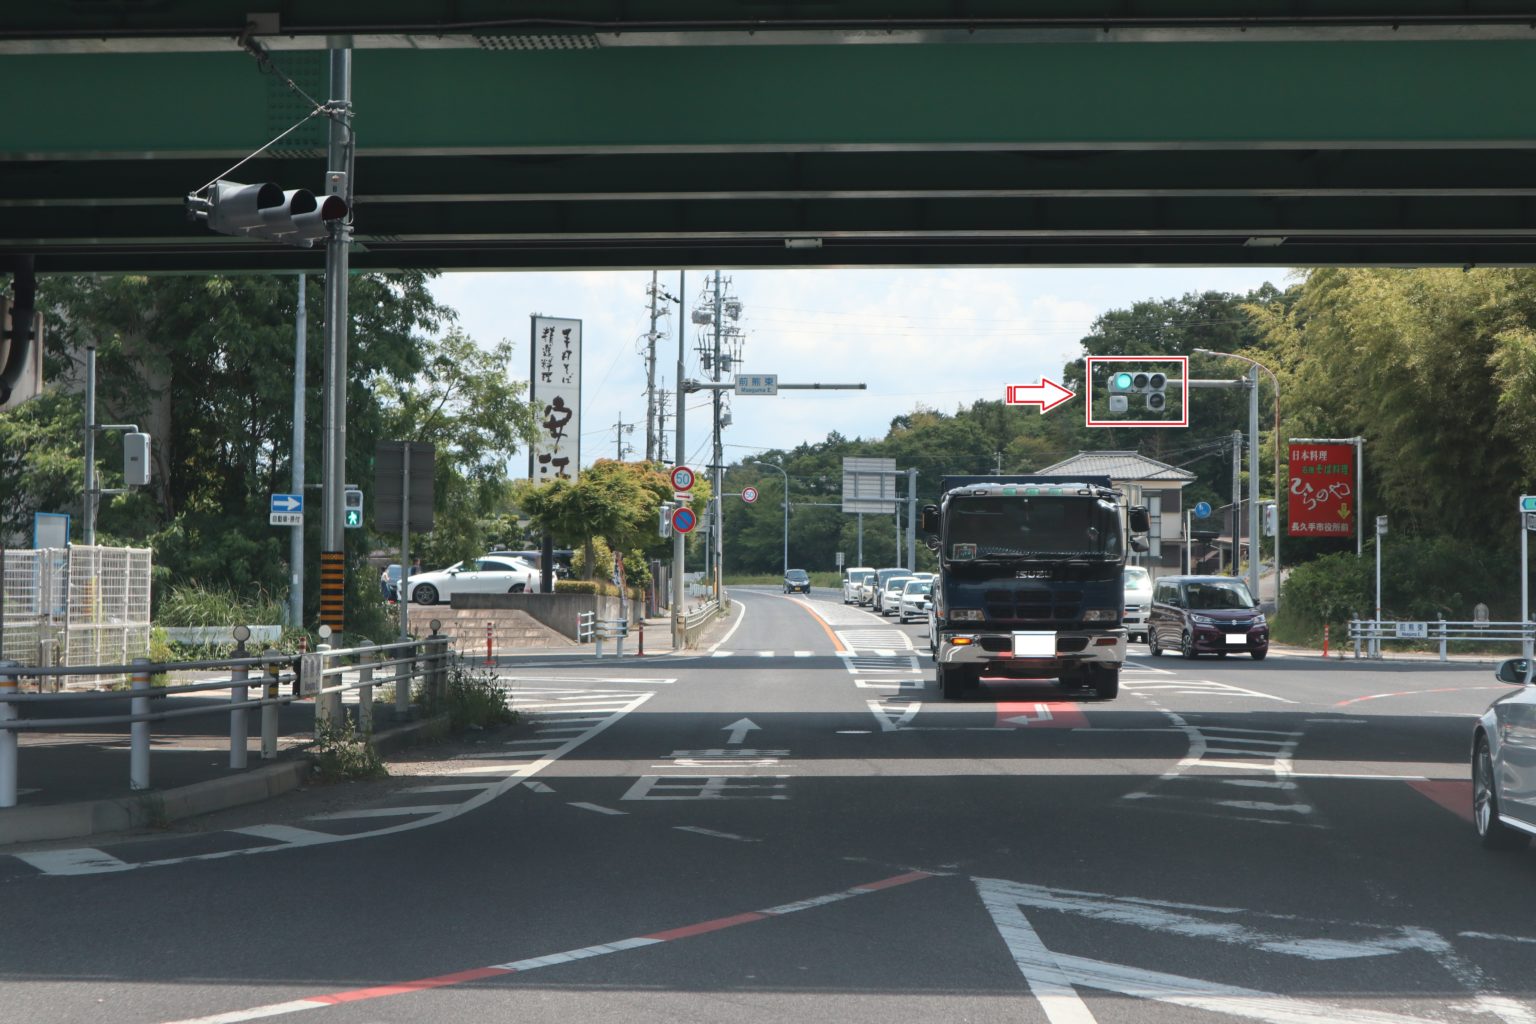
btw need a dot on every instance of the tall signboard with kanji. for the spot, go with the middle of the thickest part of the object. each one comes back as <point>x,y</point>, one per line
<point>555,389</point>
<point>1322,500</point>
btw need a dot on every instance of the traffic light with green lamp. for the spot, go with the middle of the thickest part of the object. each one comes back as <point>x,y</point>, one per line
<point>352,508</point>
<point>1121,384</point>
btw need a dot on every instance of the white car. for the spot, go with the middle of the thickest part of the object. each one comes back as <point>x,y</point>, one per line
<point>1503,756</point>
<point>885,601</point>
<point>914,600</point>
<point>867,586</point>
<point>1138,602</point>
<point>493,574</point>
<point>851,580</point>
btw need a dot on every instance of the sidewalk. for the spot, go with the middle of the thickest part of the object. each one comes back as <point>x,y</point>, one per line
<point>74,783</point>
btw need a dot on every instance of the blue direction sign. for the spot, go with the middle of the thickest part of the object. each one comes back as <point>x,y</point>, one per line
<point>1203,510</point>
<point>684,519</point>
<point>286,510</point>
<point>1528,503</point>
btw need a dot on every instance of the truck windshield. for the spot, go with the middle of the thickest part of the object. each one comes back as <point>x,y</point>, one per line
<point>978,528</point>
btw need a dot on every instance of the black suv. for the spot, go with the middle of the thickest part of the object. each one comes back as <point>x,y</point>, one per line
<point>797,580</point>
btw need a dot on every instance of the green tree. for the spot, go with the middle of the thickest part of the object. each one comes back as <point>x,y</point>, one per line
<point>616,501</point>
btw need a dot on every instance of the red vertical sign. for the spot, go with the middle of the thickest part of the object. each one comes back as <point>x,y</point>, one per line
<point>1322,492</point>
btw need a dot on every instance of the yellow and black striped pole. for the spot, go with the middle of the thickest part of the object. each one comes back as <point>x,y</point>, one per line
<point>333,590</point>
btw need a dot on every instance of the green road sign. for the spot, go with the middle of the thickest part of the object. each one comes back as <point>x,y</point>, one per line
<point>1528,503</point>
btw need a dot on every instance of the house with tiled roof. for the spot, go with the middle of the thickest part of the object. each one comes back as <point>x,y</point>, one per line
<point>1148,482</point>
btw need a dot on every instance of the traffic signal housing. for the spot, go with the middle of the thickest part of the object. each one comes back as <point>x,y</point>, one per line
<point>352,508</point>
<point>1121,384</point>
<point>264,210</point>
<point>1155,390</point>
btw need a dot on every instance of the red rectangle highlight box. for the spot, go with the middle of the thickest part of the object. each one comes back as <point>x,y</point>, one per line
<point>1091,386</point>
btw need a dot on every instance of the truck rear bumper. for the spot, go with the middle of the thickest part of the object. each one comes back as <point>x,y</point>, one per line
<point>995,651</point>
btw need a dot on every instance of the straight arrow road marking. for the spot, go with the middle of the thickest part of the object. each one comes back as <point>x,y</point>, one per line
<point>738,729</point>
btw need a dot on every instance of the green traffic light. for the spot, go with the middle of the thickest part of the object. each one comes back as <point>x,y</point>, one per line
<point>1122,382</point>
<point>354,518</point>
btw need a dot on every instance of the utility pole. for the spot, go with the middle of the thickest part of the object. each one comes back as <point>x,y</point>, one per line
<point>296,533</point>
<point>334,449</point>
<point>88,509</point>
<point>663,399</point>
<point>912,519</point>
<point>1237,500</point>
<point>619,430</point>
<point>652,424</point>
<point>679,588</point>
<point>1253,485</point>
<point>717,521</point>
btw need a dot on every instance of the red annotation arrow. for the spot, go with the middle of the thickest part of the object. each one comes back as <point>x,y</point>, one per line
<point>1047,394</point>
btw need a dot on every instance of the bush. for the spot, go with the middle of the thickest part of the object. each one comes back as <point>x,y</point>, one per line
<point>192,604</point>
<point>475,699</point>
<point>342,754</point>
<point>602,587</point>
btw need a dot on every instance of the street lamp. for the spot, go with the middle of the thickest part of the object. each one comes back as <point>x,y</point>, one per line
<point>1278,492</point>
<point>770,465</point>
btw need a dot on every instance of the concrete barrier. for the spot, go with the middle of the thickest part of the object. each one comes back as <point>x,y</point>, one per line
<point>557,611</point>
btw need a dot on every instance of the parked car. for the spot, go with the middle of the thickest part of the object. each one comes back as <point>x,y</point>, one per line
<point>915,598</point>
<point>536,559</point>
<point>867,584</point>
<point>1504,763</point>
<point>797,581</point>
<point>493,574</point>
<point>1197,615</point>
<point>890,594</point>
<point>851,580</point>
<point>1138,602</point>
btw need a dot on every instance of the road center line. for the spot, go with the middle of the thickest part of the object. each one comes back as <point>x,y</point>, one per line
<point>522,966</point>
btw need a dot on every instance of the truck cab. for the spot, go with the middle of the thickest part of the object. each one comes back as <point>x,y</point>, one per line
<point>1030,581</point>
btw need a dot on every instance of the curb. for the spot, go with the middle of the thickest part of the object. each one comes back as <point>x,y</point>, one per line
<point>121,814</point>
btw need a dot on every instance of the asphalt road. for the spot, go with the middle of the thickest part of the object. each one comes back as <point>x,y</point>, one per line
<point>793,827</point>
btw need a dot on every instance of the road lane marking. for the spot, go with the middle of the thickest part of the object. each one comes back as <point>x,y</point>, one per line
<point>1455,795</point>
<point>1410,693</point>
<point>740,618</point>
<point>708,786</point>
<point>553,959</point>
<point>1041,715</point>
<point>80,861</point>
<point>599,808</point>
<point>713,834</point>
<point>380,812</point>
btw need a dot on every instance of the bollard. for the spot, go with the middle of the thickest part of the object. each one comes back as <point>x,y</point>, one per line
<point>488,659</point>
<point>597,635</point>
<point>1354,628</point>
<point>8,713</point>
<point>238,692</point>
<point>138,753</point>
<point>1325,639</point>
<point>1442,637</point>
<point>618,643</point>
<point>272,669</point>
<point>365,690</point>
<point>641,652</point>
<point>403,673</point>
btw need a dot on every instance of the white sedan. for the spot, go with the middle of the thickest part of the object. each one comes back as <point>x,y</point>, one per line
<point>1503,753</point>
<point>493,574</point>
<point>915,599</point>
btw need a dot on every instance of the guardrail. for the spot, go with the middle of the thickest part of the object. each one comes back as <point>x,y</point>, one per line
<point>695,621</point>
<point>324,674</point>
<point>1370,634</point>
<point>586,626</point>
<point>612,629</point>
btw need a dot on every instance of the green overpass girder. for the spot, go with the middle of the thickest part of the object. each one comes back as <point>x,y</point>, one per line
<point>798,96</point>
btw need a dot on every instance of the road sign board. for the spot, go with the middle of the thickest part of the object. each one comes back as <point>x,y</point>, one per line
<point>757,383</point>
<point>684,519</point>
<point>749,494</point>
<point>1203,510</point>
<point>287,503</point>
<point>1528,503</point>
<point>1530,521</point>
<point>682,478</point>
<point>1412,630</point>
<point>285,519</point>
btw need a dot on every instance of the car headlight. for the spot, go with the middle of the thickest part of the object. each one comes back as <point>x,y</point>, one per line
<point>967,615</point>
<point>1204,620</point>
<point>1099,615</point>
<point>1258,620</point>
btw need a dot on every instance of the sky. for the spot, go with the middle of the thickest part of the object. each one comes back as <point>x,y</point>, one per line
<point>918,338</point>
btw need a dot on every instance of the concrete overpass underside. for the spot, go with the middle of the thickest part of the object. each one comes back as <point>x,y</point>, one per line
<point>585,134</point>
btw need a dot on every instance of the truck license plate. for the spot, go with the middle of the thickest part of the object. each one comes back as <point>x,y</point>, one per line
<point>1034,645</point>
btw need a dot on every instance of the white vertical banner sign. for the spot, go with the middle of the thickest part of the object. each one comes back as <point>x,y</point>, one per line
<point>554,386</point>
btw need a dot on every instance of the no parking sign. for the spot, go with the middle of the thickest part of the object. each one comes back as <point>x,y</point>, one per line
<point>684,519</point>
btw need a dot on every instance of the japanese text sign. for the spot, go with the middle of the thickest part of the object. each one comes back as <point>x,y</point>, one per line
<point>554,385</point>
<point>1322,499</point>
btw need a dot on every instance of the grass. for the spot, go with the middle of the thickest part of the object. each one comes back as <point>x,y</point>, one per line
<point>193,604</point>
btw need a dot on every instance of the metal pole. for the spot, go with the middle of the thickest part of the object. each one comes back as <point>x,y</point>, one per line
<point>333,468</point>
<point>88,506</point>
<point>1525,590</point>
<point>861,538</point>
<point>1253,482</point>
<point>1359,496</point>
<point>912,519</point>
<point>269,706</point>
<point>651,426</point>
<point>238,718</point>
<point>296,533</point>
<point>138,731</point>
<point>679,552</point>
<point>1376,629</point>
<point>780,470</point>
<point>1189,551</point>
<point>8,713</point>
<point>404,589</point>
<point>1278,492</point>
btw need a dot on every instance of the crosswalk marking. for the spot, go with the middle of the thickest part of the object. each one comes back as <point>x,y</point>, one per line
<point>80,861</point>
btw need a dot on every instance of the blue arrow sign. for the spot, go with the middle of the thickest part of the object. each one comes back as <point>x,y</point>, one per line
<point>1528,502</point>
<point>287,503</point>
<point>684,519</point>
<point>1203,510</point>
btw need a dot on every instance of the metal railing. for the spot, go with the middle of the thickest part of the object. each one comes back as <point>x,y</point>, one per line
<point>611,629</point>
<point>586,626</point>
<point>323,675</point>
<point>1369,634</point>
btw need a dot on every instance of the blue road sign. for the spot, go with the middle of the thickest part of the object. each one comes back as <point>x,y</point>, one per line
<point>684,519</point>
<point>1528,503</point>
<point>287,503</point>
<point>1203,510</point>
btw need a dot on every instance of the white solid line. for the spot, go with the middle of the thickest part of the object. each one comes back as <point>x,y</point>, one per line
<point>80,861</point>
<point>452,788</point>
<point>722,654</point>
<point>535,786</point>
<point>741,616</point>
<point>803,654</point>
<point>1051,986</point>
<point>596,807</point>
<point>711,832</point>
<point>1496,937</point>
<point>256,1013</point>
<point>381,812</point>
<point>286,834</point>
<point>765,654</point>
